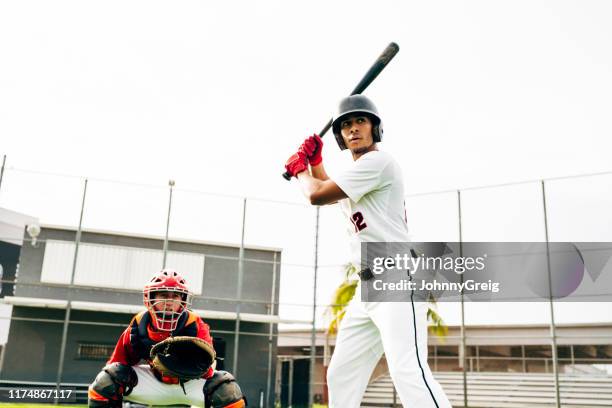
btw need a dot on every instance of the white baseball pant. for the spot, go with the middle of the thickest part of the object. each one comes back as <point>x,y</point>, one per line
<point>151,391</point>
<point>400,330</point>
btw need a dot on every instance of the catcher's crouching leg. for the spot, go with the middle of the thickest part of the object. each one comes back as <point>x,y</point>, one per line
<point>222,391</point>
<point>111,384</point>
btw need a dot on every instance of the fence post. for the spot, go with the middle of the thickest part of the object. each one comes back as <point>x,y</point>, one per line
<point>2,171</point>
<point>313,332</point>
<point>171,185</point>
<point>239,290</point>
<point>60,366</point>
<point>290,385</point>
<point>553,332</point>
<point>436,357</point>
<point>271,333</point>
<point>463,337</point>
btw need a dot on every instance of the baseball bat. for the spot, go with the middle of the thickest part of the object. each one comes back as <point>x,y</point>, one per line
<point>381,62</point>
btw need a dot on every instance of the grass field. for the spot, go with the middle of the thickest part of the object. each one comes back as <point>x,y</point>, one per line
<point>28,405</point>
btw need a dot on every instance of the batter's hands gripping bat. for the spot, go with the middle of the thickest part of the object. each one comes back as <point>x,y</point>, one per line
<point>381,62</point>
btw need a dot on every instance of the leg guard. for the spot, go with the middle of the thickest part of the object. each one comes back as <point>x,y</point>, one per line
<point>111,384</point>
<point>222,391</point>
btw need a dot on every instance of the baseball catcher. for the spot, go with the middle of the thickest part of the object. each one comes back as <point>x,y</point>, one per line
<point>177,351</point>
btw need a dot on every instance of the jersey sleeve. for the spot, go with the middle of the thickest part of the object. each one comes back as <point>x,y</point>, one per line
<point>204,333</point>
<point>123,352</point>
<point>367,174</point>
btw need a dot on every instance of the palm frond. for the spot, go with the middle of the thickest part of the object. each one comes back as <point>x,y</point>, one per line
<point>341,298</point>
<point>345,293</point>
<point>439,328</point>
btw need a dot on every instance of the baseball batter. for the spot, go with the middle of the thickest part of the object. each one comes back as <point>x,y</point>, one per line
<point>167,300</point>
<point>371,195</point>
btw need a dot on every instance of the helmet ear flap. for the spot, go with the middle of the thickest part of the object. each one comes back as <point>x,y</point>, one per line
<point>377,133</point>
<point>340,141</point>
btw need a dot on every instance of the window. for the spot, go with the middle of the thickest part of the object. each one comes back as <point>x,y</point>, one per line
<point>113,266</point>
<point>95,351</point>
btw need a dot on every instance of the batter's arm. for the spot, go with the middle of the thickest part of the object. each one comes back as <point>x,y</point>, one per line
<point>319,173</point>
<point>320,192</point>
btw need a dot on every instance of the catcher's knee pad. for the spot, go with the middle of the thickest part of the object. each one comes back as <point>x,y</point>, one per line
<point>111,384</point>
<point>222,391</point>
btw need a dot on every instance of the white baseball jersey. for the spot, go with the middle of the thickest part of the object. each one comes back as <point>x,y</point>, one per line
<point>375,210</point>
<point>375,205</point>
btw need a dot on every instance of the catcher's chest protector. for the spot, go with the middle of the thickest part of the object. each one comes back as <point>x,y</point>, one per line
<point>139,333</point>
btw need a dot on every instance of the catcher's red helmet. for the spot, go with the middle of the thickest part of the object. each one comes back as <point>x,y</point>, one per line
<point>167,297</point>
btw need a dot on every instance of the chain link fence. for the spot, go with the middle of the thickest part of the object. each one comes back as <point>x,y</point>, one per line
<point>268,272</point>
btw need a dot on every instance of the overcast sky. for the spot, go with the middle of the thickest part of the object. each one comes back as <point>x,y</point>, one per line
<point>217,95</point>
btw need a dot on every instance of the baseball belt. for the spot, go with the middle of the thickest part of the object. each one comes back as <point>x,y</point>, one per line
<point>365,274</point>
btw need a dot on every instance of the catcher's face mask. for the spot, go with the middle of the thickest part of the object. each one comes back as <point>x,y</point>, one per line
<point>167,297</point>
<point>166,307</point>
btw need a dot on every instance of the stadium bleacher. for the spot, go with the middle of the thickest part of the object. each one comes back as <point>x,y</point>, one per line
<point>506,390</point>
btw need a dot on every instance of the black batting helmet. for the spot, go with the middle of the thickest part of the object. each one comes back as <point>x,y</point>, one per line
<point>356,104</point>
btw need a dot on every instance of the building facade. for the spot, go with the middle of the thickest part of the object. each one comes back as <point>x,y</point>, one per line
<point>102,290</point>
<point>582,349</point>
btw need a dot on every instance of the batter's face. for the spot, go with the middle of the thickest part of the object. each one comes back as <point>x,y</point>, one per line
<point>357,134</point>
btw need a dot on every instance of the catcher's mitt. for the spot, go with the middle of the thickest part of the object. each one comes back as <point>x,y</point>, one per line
<point>185,357</point>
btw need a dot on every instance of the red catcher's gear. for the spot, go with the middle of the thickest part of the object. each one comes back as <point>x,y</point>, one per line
<point>237,404</point>
<point>166,310</point>
<point>313,147</point>
<point>136,341</point>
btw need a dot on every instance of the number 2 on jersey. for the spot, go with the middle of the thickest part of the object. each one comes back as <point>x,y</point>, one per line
<point>358,221</point>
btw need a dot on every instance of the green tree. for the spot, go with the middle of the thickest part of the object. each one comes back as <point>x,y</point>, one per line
<point>346,291</point>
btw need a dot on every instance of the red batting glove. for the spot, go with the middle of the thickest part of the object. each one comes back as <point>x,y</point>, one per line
<point>297,163</point>
<point>313,147</point>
